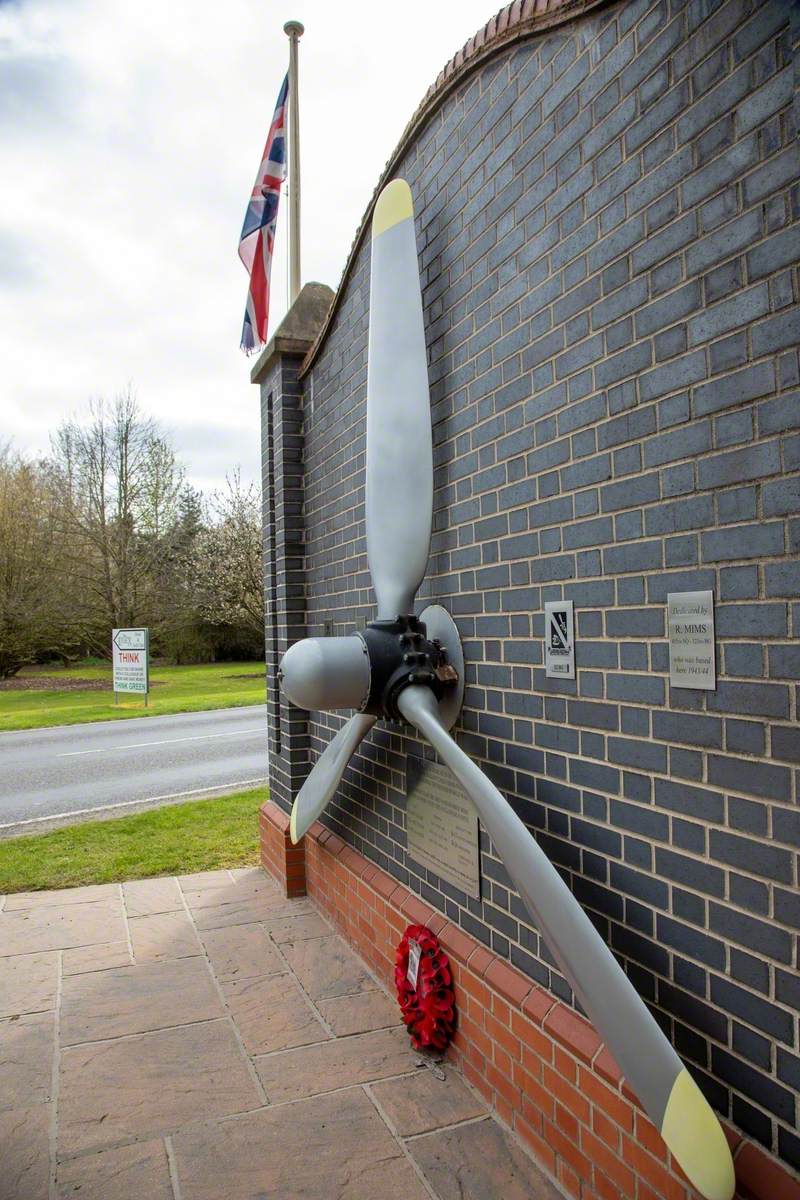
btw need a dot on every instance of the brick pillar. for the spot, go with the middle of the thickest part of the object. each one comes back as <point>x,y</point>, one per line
<point>277,373</point>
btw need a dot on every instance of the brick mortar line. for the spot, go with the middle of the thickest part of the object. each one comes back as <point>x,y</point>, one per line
<point>334,1091</point>
<point>331,1041</point>
<point>360,807</point>
<point>126,1037</point>
<point>55,1083</point>
<point>724,901</point>
<point>534,984</point>
<point>431,110</point>
<point>578,757</point>
<point>311,1004</point>
<point>126,920</point>
<point>489,1114</point>
<point>227,1014</point>
<point>619,1088</point>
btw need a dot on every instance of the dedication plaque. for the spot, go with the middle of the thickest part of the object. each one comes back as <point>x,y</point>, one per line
<point>690,625</point>
<point>442,826</point>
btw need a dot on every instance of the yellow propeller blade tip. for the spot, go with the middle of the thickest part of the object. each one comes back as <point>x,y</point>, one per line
<point>393,205</point>
<point>695,1137</point>
<point>293,825</point>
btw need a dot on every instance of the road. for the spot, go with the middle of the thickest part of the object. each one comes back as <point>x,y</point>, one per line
<point>74,771</point>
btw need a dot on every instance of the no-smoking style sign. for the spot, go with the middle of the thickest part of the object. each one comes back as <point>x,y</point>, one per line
<point>559,641</point>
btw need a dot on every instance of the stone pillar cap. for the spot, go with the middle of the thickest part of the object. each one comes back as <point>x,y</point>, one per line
<point>298,329</point>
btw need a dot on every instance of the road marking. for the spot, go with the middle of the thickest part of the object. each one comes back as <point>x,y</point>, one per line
<point>80,812</point>
<point>198,737</point>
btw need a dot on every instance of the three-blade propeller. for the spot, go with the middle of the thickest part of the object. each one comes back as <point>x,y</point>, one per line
<point>393,670</point>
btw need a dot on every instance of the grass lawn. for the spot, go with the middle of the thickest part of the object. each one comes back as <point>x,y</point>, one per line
<point>173,690</point>
<point>199,836</point>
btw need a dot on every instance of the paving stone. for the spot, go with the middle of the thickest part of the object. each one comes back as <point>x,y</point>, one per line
<point>479,1162</point>
<point>242,912</point>
<point>124,1173</point>
<point>143,897</point>
<point>233,892</point>
<point>96,958</point>
<point>332,1146</point>
<point>25,1141</point>
<point>28,983</point>
<point>359,1013</point>
<point>326,967</point>
<point>423,1102</point>
<point>255,873</point>
<point>335,1064</point>
<point>296,929</point>
<point>61,896</point>
<point>30,930</point>
<point>150,1084</point>
<point>163,936</point>
<point>107,1004</point>
<point>242,952</point>
<point>26,1059</point>
<point>272,1014</point>
<point>395,1177</point>
<point>204,879</point>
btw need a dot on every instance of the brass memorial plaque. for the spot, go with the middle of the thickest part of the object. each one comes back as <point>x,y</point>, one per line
<point>442,826</point>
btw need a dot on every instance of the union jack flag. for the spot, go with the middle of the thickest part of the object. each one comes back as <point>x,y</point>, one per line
<point>257,239</point>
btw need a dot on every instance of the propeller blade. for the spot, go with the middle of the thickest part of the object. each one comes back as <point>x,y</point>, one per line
<point>667,1091</point>
<point>329,768</point>
<point>399,490</point>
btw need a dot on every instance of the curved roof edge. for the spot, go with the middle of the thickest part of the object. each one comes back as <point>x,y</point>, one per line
<point>514,23</point>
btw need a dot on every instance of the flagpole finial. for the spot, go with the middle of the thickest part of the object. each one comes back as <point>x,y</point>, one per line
<point>294,29</point>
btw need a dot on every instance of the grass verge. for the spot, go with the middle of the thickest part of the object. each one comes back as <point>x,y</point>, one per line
<point>174,690</point>
<point>201,835</point>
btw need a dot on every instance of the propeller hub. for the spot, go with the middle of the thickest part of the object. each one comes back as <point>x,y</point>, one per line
<point>400,653</point>
<point>366,671</point>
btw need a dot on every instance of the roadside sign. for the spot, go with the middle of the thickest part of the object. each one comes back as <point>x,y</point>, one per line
<point>130,654</point>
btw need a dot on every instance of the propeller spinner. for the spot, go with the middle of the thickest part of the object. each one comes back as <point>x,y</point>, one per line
<point>407,668</point>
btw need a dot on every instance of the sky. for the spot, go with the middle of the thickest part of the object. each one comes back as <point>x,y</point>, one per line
<point>130,134</point>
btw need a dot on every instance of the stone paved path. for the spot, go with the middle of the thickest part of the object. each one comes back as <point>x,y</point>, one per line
<point>203,1038</point>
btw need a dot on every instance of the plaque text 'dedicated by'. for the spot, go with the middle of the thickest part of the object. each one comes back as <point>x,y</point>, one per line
<point>442,826</point>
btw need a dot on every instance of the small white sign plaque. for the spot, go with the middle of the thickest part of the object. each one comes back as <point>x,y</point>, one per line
<point>559,640</point>
<point>414,955</point>
<point>690,626</point>
<point>130,651</point>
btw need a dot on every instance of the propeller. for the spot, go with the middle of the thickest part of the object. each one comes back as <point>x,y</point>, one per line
<point>407,668</point>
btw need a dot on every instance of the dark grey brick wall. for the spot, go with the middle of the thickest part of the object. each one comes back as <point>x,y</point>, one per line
<point>282,472</point>
<point>607,220</point>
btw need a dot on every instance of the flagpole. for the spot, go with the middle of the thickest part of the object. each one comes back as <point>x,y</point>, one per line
<point>294,31</point>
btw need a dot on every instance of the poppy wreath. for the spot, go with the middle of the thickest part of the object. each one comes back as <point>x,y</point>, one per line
<point>429,1009</point>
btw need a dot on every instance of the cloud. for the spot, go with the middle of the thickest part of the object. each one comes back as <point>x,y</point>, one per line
<point>130,135</point>
<point>18,266</point>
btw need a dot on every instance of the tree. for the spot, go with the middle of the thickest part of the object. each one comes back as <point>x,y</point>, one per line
<point>32,616</point>
<point>105,532</point>
<point>121,485</point>
<point>229,566</point>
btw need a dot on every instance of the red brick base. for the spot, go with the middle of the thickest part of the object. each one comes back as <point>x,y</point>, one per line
<point>540,1065</point>
<point>278,856</point>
